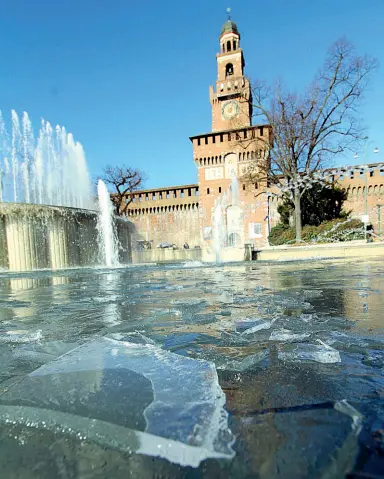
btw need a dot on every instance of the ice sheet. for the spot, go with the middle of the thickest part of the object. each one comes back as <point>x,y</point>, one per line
<point>287,335</point>
<point>321,353</point>
<point>250,326</point>
<point>177,398</point>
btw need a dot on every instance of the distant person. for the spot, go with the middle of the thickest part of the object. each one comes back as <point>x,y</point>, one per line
<point>186,245</point>
<point>370,234</point>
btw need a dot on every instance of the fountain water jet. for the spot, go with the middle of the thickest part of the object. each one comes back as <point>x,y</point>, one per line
<point>49,171</point>
<point>235,190</point>
<point>48,216</point>
<point>227,227</point>
<point>218,231</point>
<point>107,235</point>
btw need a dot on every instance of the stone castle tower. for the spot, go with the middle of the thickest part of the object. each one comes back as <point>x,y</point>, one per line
<point>231,100</point>
<point>225,154</point>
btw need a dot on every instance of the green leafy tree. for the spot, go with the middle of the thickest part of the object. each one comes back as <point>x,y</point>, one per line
<point>321,202</point>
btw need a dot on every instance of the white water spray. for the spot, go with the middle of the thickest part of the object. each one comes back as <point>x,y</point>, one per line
<point>15,149</point>
<point>107,235</point>
<point>218,231</point>
<point>50,170</point>
<point>235,190</point>
<point>28,141</point>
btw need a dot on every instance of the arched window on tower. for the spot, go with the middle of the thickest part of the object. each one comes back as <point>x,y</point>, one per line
<point>234,44</point>
<point>223,48</point>
<point>228,69</point>
<point>228,46</point>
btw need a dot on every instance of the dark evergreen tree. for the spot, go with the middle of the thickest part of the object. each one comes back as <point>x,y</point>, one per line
<point>318,203</point>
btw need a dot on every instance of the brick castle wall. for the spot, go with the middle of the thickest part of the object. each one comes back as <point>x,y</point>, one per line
<point>182,213</point>
<point>167,215</point>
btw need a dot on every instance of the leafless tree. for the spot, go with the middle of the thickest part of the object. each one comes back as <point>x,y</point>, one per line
<point>123,181</point>
<point>310,128</point>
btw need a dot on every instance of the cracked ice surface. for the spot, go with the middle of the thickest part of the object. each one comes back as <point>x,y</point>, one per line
<point>251,326</point>
<point>321,353</point>
<point>299,386</point>
<point>184,417</point>
<point>287,335</point>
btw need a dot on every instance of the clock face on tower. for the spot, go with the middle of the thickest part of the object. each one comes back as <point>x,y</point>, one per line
<point>229,110</point>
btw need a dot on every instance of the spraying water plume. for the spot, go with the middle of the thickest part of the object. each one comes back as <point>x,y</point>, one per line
<point>107,235</point>
<point>49,170</point>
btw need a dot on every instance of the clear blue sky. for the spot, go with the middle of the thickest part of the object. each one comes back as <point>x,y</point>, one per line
<point>130,78</point>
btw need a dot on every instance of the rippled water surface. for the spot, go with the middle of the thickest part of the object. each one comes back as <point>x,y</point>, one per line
<point>298,349</point>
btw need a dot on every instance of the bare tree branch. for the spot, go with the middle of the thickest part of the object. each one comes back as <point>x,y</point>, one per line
<point>310,128</point>
<point>124,180</point>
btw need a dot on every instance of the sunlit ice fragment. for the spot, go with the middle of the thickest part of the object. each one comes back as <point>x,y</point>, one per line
<point>321,353</point>
<point>149,392</point>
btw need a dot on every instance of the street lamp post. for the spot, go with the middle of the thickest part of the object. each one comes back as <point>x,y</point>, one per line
<point>379,206</point>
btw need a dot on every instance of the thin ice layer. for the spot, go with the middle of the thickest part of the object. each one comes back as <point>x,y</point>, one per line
<point>287,335</point>
<point>241,365</point>
<point>321,353</point>
<point>250,326</point>
<point>184,402</point>
<point>76,428</point>
<point>20,336</point>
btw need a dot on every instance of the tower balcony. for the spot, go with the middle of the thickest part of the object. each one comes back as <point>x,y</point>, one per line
<point>231,86</point>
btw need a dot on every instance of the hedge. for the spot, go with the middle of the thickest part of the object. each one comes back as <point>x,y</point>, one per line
<point>327,232</point>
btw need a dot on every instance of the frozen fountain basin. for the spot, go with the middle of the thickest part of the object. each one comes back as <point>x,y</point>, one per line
<point>54,237</point>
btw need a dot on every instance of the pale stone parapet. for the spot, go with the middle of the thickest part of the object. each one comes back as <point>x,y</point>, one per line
<point>37,237</point>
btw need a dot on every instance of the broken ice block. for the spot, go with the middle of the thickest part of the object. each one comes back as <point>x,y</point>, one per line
<point>250,325</point>
<point>287,335</point>
<point>321,353</point>
<point>168,405</point>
